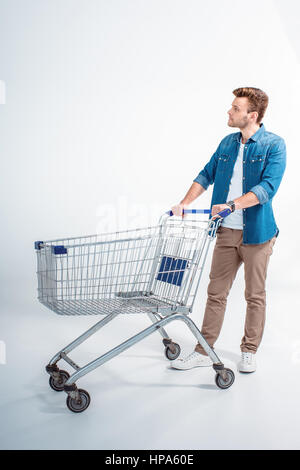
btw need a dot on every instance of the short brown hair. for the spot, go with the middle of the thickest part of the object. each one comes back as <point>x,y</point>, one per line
<point>258,100</point>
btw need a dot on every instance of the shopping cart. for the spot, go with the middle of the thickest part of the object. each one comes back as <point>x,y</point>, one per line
<point>154,270</point>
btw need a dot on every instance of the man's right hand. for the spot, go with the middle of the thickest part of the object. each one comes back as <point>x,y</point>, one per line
<point>178,210</point>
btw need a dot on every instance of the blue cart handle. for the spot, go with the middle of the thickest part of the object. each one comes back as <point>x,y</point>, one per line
<point>191,211</point>
<point>222,214</point>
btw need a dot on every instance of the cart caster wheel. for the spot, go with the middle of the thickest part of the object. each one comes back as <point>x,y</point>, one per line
<point>221,383</point>
<point>172,355</point>
<point>77,406</point>
<point>57,384</point>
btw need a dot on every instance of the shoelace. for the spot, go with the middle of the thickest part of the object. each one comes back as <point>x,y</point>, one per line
<point>189,357</point>
<point>192,356</point>
<point>247,357</point>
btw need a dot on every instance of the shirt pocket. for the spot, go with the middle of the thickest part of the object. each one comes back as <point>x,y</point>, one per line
<point>257,164</point>
<point>223,163</point>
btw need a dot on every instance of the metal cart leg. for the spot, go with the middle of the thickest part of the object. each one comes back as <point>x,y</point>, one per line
<point>153,317</point>
<point>225,376</point>
<point>172,350</point>
<point>58,376</point>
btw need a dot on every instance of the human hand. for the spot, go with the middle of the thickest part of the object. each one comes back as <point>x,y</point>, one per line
<point>178,210</point>
<point>218,208</point>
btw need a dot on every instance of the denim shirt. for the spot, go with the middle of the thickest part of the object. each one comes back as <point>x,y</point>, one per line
<point>264,162</point>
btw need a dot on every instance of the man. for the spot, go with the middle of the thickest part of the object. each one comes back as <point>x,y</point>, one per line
<point>246,171</point>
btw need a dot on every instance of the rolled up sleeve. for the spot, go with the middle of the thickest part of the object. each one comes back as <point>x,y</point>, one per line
<point>201,179</point>
<point>207,175</point>
<point>260,193</point>
<point>272,173</point>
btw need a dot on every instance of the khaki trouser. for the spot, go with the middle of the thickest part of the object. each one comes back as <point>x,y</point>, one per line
<point>229,253</point>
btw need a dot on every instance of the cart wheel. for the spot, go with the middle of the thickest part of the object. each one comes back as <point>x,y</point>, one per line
<point>77,406</point>
<point>58,384</point>
<point>172,355</point>
<point>221,383</point>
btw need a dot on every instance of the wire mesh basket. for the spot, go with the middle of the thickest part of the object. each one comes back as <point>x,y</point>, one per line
<point>146,269</point>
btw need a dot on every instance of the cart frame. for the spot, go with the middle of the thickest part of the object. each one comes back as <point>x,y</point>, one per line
<point>78,399</point>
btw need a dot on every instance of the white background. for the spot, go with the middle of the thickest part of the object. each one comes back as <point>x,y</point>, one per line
<point>111,110</point>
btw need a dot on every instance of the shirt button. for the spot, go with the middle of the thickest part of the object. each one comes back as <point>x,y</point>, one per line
<point>243,177</point>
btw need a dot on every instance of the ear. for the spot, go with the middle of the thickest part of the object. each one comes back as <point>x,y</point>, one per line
<point>254,116</point>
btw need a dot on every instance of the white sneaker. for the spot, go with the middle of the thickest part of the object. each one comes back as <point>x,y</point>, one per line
<point>194,359</point>
<point>248,362</point>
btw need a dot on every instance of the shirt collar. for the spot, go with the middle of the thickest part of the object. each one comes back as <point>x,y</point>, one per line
<point>255,136</point>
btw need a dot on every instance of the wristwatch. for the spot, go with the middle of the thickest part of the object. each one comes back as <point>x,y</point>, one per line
<point>231,204</point>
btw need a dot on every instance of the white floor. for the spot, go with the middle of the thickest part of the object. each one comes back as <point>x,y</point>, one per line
<point>137,400</point>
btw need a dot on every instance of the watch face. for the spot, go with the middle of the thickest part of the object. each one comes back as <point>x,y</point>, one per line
<point>231,205</point>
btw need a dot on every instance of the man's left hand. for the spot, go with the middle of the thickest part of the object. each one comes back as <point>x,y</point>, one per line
<point>218,208</point>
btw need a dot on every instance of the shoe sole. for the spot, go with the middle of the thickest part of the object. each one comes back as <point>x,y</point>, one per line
<point>190,368</point>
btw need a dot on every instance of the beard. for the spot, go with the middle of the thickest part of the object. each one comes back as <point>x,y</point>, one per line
<point>240,123</point>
